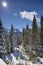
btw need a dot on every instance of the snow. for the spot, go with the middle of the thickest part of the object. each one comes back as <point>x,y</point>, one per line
<point>30,63</point>
<point>20,57</point>
<point>2,62</point>
<point>41,59</point>
<point>14,59</point>
<point>22,61</point>
<point>8,57</point>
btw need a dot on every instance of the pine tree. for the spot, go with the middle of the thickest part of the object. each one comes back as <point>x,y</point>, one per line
<point>41,31</point>
<point>17,40</point>
<point>11,37</point>
<point>8,46</point>
<point>1,34</point>
<point>25,36</point>
<point>34,33</point>
<point>2,41</point>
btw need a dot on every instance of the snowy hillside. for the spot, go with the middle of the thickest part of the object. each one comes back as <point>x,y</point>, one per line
<point>19,57</point>
<point>2,62</point>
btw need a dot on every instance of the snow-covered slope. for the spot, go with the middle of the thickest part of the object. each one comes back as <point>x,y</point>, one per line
<point>19,57</point>
<point>2,62</point>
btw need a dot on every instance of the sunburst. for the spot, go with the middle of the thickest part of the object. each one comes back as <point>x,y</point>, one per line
<point>4,4</point>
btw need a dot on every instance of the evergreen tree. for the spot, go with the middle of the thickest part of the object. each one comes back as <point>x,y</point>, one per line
<point>17,40</point>
<point>2,40</point>
<point>1,35</point>
<point>25,36</point>
<point>8,46</point>
<point>11,37</point>
<point>34,33</point>
<point>41,31</point>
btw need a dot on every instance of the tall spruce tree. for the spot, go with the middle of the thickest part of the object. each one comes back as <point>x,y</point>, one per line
<point>34,33</point>
<point>41,31</point>
<point>2,40</point>
<point>11,37</point>
<point>1,35</point>
<point>25,36</point>
<point>8,46</point>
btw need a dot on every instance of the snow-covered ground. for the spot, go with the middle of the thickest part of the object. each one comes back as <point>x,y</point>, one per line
<point>19,57</point>
<point>2,62</point>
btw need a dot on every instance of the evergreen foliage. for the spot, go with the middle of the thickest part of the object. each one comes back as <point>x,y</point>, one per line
<point>25,36</point>
<point>8,46</point>
<point>34,32</point>
<point>41,31</point>
<point>11,38</point>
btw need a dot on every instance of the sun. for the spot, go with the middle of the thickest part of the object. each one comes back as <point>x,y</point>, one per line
<point>4,4</point>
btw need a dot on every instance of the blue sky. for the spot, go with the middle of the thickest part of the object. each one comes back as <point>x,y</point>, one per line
<point>20,12</point>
